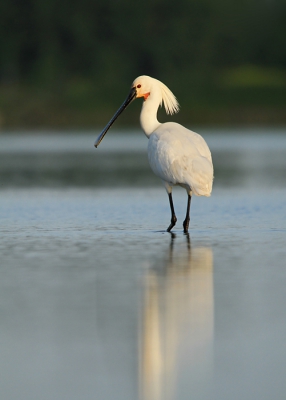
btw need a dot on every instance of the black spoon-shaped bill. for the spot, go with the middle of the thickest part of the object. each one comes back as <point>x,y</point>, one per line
<point>131,96</point>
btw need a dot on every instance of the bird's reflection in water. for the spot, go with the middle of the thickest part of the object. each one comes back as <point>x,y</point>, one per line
<point>176,327</point>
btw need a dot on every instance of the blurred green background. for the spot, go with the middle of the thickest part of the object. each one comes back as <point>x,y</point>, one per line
<point>69,64</point>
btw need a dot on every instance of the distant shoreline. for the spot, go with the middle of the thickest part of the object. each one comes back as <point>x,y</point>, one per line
<point>31,107</point>
<point>76,119</point>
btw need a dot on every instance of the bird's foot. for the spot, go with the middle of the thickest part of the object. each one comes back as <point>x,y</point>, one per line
<point>172,224</point>
<point>186,224</point>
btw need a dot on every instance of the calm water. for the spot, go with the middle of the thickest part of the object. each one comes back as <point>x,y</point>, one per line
<point>98,302</point>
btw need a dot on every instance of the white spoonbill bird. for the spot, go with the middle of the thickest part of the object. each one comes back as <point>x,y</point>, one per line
<point>176,155</point>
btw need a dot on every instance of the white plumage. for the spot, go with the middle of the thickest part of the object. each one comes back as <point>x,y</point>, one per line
<point>176,155</point>
<point>181,157</point>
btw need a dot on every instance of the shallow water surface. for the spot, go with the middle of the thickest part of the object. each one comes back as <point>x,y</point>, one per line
<point>98,302</point>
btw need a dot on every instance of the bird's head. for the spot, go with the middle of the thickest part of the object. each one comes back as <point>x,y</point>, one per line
<point>147,87</point>
<point>142,86</point>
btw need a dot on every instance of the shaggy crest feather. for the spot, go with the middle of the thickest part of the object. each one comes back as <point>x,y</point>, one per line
<point>170,102</point>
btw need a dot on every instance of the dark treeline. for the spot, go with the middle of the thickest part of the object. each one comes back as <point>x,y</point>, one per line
<point>84,54</point>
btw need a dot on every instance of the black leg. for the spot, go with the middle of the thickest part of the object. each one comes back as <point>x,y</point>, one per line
<point>173,217</point>
<point>187,219</point>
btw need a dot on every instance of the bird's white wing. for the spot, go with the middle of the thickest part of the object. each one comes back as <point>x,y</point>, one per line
<point>180,156</point>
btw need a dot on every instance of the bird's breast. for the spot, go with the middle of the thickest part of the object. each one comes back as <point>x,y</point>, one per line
<point>181,157</point>
<point>163,149</point>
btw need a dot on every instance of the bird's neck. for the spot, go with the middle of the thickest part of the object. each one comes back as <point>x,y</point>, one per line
<point>148,116</point>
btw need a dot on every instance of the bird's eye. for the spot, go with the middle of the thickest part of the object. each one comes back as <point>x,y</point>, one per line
<point>139,86</point>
